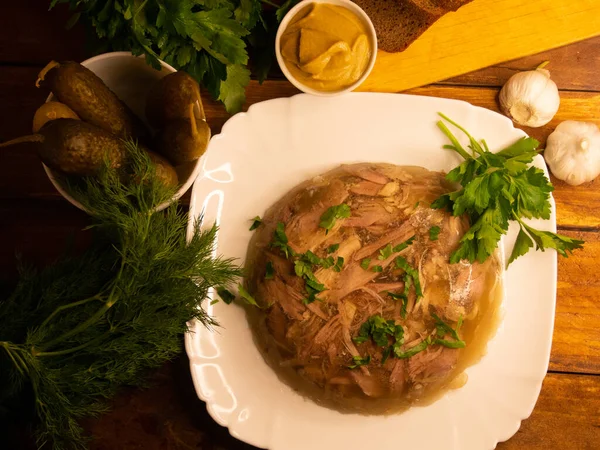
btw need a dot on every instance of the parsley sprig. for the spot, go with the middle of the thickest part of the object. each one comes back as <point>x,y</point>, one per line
<point>358,361</point>
<point>497,188</point>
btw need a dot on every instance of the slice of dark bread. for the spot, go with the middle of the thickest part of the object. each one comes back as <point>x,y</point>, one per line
<point>399,22</point>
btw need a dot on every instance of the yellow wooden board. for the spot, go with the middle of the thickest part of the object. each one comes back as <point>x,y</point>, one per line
<point>483,33</point>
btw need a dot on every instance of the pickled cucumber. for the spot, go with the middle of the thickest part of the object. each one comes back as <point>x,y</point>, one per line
<point>170,97</point>
<point>183,140</point>
<point>165,172</point>
<point>75,147</point>
<point>51,111</point>
<point>85,93</point>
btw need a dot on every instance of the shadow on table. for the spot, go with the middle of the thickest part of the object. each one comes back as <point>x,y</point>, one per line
<point>167,415</point>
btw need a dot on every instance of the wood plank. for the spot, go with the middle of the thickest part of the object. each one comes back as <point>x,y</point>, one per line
<point>481,34</point>
<point>30,34</point>
<point>576,340</point>
<point>573,67</point>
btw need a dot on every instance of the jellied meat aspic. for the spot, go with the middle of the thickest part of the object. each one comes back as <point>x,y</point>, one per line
<point>360,302</point>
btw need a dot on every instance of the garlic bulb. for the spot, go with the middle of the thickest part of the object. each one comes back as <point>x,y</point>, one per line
<point>573,152</point>
<point>530,98</point>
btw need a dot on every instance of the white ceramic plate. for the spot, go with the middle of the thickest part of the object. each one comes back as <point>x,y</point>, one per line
<point>277,144</point>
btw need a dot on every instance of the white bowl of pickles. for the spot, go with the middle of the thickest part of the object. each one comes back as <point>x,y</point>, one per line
<point>118,96</point>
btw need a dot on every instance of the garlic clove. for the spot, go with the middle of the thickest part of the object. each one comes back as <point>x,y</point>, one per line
<point>573,152</point>
<point>530,98</point>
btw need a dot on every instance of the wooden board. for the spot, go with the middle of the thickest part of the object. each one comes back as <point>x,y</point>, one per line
<point>483,33</point>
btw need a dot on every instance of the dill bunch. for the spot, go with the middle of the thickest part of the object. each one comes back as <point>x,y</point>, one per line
<point>72,334</point>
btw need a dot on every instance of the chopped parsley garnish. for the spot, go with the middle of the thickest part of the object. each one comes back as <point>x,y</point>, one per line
<point>256,222</point>
<point>310,257</point>
<point>498,188</point>
<point>339,264</point>
<point>280,241</point>
<point>442,329</point>
<point>333,248</point>
<point>269,271</point>
<point>359,361</point>
<point>385,252</point>
<point>434,233</point>
<point>381,331</point>
<point>365,263</point>
<point>412,351</point>
<point>398,248</point>
<point>228,297</point>
<point>402,263</point>
<point>225,295</point>
<point>214,302</point>
<point>402,297</point>
<point>332,214</point>
<point>388,250</point>
<point>387,334</point>
<point>377,268</point>
<point>304,270</point>
<point>246,295</point>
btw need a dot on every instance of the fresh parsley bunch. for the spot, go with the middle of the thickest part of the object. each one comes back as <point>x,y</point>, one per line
<point>206,38</point>
<point>497,188</point>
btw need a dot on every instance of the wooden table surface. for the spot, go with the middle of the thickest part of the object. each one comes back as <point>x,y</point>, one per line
<point>36,221</point>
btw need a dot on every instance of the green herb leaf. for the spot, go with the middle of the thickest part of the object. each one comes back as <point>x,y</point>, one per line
<point>314,284</point>
<point>333,248</point>
<point>385,252</point>
<point>269,271</point>
<point>365,263</point>
<point>449,344</point>
<point>411,351</point>
<point>246,296</point>
<point>443,329</point>
<point>339,264</point>
<point>434,233</point>
<point>359,361</point>
<point>280,241</point>
<point>398,248</point>
<point>329,217</point>
<point>233,88</point>
<point>225,295</point>
<point>256,222</point>
<point>364,333</point>
<point>564,245</point>
<point>377,268</point>
<point>522,246</point>
<point>284,9</point>
<point>402,263</point>
<point>386,354</point>
<point>214,302</point>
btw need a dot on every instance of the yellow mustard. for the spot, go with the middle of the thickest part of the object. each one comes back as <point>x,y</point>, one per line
<point>326,47</point>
